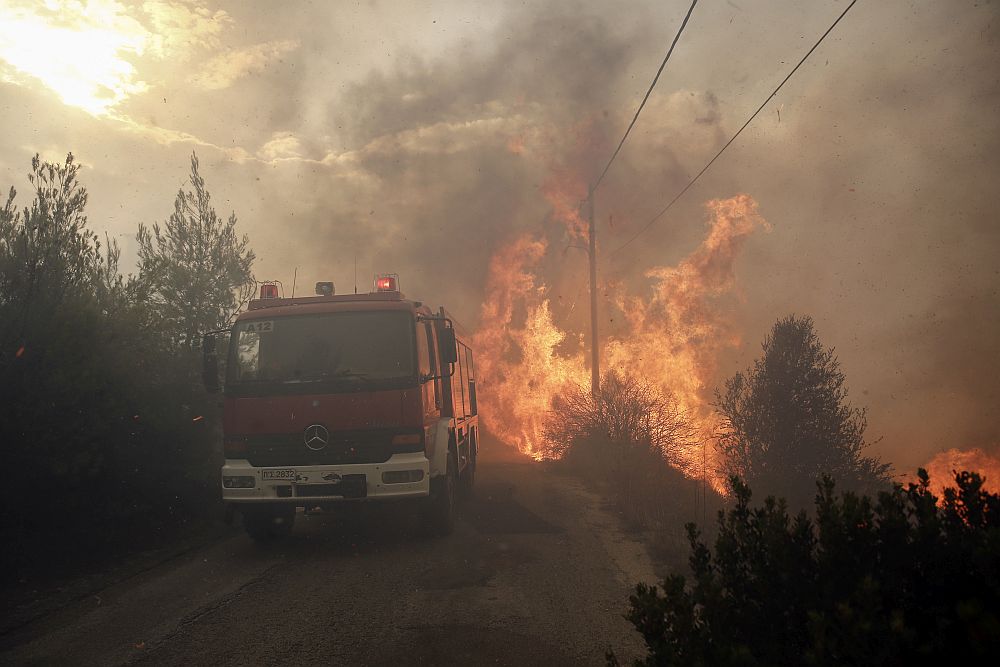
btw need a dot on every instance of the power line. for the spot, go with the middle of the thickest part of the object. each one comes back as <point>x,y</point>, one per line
<point>651,86</point>
<point>733,138</point>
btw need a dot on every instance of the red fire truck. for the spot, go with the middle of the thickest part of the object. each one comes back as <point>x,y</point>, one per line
<point>344,399</point>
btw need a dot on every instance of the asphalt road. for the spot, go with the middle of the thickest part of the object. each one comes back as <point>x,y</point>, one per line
<point>538,572</point>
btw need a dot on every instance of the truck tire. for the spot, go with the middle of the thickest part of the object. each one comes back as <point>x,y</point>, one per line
<point>467,480</point>
<point>268,524</point>
<point>438,517</point>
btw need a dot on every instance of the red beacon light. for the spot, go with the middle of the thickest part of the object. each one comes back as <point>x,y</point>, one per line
<point>387,282</point>
<point>269,291</point>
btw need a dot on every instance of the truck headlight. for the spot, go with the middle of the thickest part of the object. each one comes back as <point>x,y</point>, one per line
<point>238,482</point>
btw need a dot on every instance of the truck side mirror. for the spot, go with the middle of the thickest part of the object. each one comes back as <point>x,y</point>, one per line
<point>210,364</point>
<point>449,348</point>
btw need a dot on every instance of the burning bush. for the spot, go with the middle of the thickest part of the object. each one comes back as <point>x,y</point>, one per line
<point>897,580</point>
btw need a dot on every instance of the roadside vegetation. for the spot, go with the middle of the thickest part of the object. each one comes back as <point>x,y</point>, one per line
<point>903,578</point>
<point>631,439</point>
<point>871,574</point>
<point>785,423</point>
<point>107,436</point>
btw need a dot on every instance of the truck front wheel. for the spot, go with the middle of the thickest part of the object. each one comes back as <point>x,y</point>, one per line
<point>439,510</point>
<point>266,524</point>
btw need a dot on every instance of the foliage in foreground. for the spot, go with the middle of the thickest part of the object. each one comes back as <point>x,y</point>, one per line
<point>105,430</point>
<point>904,579</point>
<point>787,421</point>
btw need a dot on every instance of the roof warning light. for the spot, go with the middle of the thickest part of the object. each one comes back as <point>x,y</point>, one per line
<point>387,282</point>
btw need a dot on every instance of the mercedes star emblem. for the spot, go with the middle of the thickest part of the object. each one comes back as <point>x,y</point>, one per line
<point>316,437</point>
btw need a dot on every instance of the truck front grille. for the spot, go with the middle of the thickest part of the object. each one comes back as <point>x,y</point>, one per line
<point>344,448</point>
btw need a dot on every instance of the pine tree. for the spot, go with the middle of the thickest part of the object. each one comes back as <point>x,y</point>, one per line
<point>196,270</point>
<point>787,421</point>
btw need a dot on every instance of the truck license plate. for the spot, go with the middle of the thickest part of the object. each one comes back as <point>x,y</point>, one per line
<point>271,475</point>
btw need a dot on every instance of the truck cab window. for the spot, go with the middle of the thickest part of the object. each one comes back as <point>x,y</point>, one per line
<point>247,355</point>
<point>431,350</point>
<point>423,354</point>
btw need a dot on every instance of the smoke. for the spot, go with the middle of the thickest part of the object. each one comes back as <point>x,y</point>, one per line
<point>431,166</point>
<point>426,138</point>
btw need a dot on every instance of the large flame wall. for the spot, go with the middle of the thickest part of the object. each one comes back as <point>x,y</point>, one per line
<point>673,333</point>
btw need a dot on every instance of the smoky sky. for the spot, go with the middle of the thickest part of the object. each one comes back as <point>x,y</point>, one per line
<point>421,137</point>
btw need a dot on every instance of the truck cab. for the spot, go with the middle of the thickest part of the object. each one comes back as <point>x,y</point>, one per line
<point>344,399</point>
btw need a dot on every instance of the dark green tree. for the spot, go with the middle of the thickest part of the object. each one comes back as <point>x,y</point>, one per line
<point>195,270</point>
<point>787,421</point>
<point>60,382</point>
<point>46,251</point>
<point>98,418</point>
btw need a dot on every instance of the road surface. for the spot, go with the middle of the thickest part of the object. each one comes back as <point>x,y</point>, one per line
<point>537,572</point>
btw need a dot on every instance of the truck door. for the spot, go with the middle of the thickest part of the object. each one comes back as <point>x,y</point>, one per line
<point>430,391</point>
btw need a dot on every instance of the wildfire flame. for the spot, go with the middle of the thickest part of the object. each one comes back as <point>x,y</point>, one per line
<point>564,194</point>
<point>672,339</point>
<point>943,466</point>
<point>522,371</point>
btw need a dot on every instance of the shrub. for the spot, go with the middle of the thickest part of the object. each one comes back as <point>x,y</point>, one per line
<point>904,579</point>
<point>627,413</point>
<point>633,438</point>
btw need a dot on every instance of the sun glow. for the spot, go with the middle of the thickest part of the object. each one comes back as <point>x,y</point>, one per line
<point>79,50</point>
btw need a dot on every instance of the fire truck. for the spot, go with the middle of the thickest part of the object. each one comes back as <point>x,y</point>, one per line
<point>343,399</point>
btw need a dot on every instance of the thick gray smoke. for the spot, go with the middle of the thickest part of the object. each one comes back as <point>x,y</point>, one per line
<point>873,167</point>
<point>384,139</point>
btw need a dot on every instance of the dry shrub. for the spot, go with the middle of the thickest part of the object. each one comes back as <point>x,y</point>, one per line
<point>627,413</point>
<point>630,436</point>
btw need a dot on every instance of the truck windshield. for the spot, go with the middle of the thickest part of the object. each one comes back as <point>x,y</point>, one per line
<point>341,349</point>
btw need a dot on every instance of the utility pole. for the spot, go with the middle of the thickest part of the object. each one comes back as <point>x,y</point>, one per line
<point>595,350</point>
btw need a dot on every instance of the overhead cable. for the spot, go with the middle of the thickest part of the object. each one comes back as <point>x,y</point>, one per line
<point>651,86</point>
<point>733,138</point>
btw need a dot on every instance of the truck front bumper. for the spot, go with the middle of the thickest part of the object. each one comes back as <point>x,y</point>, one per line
<point>402,476</point>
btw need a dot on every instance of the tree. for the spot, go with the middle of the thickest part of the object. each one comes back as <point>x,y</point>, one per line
<point>46,250</point>
<point>787,422</point>
<point>97,411</point>
<point>904,579</point>
<point>62,373</point>
<point>196,270</point>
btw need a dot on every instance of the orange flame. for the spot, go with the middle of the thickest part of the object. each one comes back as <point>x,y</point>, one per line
<point>565,195</point>
<point>672,339</point>
<point>520,369</point>
<point>943,466</point>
